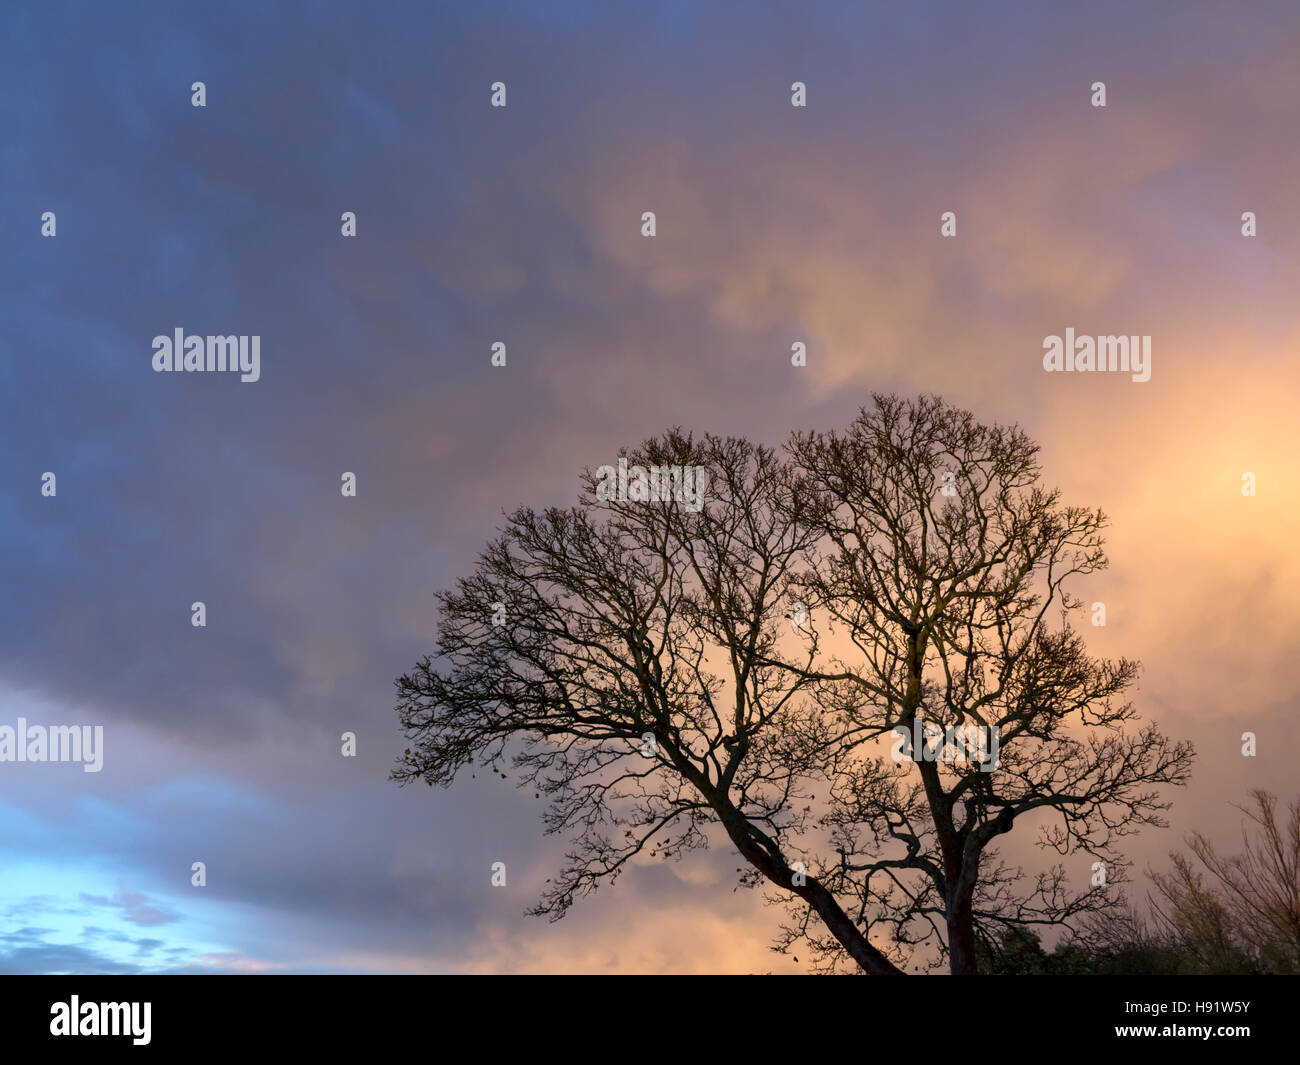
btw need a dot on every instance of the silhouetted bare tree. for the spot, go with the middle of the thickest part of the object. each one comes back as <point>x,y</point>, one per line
<point>945,564</point>
<point>1212,914</point>
<point>1246,916</point>
<point>656,668</point>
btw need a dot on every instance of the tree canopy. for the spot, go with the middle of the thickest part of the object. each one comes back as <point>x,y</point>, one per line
<point>670,671</point>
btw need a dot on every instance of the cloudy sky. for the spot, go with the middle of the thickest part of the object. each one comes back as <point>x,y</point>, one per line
<point>522,224</point>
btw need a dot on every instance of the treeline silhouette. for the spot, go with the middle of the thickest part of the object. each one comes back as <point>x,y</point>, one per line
<point>1209,914</point>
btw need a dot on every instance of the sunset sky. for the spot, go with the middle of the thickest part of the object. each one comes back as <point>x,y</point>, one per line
<point>475,224</point>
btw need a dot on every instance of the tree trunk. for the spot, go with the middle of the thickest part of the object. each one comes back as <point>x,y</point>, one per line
<point>841,926</point>
<point>961,937</point>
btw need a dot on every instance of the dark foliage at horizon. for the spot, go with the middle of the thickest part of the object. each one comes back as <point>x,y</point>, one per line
<point>1211,914</point>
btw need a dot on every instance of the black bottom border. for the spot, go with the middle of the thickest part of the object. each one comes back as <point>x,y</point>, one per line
<point>1007,1018</point>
